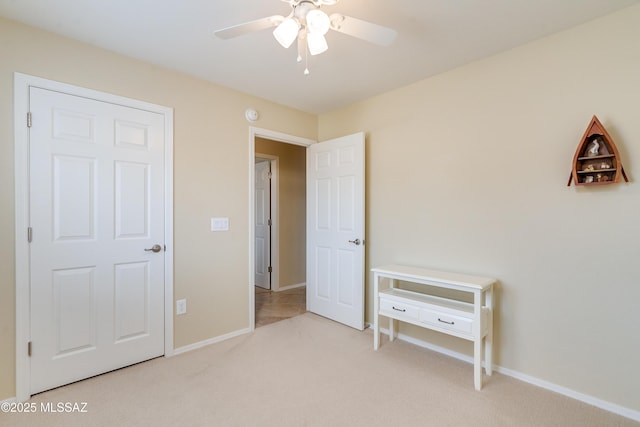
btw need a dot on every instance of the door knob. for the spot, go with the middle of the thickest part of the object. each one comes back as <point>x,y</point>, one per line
<point>355,242</point>
<point>154,248</point>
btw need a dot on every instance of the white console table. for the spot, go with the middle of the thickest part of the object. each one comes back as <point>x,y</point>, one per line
<point>470,321</point>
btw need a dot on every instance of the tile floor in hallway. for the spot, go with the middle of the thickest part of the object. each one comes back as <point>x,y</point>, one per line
<point>274,306</point>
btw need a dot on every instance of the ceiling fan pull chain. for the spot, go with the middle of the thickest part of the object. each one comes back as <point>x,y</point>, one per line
<point>306,62</point>
<point>301,45</point>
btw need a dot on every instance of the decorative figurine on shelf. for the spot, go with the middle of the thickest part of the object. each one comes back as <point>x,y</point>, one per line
<point>605,165</point>
<point>588,168</point>
<point>588,179</point>
<point>594,148</point>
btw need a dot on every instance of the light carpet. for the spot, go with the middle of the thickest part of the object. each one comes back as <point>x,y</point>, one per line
<point>309,371</point>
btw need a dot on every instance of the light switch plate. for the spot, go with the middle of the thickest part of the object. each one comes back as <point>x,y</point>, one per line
<point>219,224</point>
<point>181,306</point>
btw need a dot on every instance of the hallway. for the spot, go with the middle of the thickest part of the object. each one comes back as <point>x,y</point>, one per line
<point>274,306</point>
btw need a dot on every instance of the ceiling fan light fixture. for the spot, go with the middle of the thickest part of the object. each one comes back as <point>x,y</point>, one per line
<point>317,22</point>
<point>307,24</point>
<point>287,32</point>
<point>317,43</point>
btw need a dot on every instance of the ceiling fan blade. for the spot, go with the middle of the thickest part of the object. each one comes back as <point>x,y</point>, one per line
<point>249,27</point>
<point>364,30</point>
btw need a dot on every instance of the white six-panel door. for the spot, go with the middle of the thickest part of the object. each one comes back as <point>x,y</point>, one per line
<point>96,208</point>
<point>335,229</point>
<point>262,226</point>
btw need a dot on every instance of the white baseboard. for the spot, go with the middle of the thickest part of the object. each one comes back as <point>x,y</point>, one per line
<point>210,341</point>
<point>590,400</point>
<point>285,288</point>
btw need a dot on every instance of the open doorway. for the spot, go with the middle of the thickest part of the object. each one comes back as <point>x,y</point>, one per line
<point>278,264</point>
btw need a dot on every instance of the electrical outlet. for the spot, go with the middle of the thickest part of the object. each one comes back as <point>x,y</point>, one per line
<point>181,306</point>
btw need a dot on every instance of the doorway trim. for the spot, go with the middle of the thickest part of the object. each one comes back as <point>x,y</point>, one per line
<point>255,132</point>
<point>22,83</point>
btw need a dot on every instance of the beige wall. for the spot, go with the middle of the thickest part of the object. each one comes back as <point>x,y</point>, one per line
<point>292,209</point>
<point>467,172</point>
<point>211,166</point>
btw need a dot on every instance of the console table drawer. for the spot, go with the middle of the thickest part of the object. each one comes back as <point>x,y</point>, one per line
<point>399,309</point>
<point>447,321</point>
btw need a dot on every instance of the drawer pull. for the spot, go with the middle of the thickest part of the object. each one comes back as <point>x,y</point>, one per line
<point>444,321</point>
<point>400,309</point>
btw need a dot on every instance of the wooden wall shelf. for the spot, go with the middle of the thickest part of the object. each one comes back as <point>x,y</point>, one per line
<point>597,160</point>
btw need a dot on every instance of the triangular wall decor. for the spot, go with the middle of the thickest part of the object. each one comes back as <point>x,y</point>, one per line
<point>597,160</point>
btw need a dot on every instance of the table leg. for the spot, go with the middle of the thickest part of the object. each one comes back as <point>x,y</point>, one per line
<point>376,321</point>
<point>488,343</point>
<point>392,323</point>
<point>477,368</point>
<point>477,339</point>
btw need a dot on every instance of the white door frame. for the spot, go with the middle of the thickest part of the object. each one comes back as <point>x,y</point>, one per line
<point>254,133</point>
<point>22,82</point>
<point>273,206</point>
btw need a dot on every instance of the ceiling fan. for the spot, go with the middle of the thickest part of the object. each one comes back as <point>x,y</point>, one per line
<point>308,24</point>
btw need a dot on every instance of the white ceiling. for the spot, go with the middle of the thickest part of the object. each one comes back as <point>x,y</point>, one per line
<point>433,36</point>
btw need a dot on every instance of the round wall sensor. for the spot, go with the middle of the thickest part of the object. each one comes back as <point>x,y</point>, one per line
<point>251,114</point>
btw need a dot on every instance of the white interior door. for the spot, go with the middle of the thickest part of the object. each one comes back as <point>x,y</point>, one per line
<point>263,224</point>
<point>96,197</point>
<point>335,229</point>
